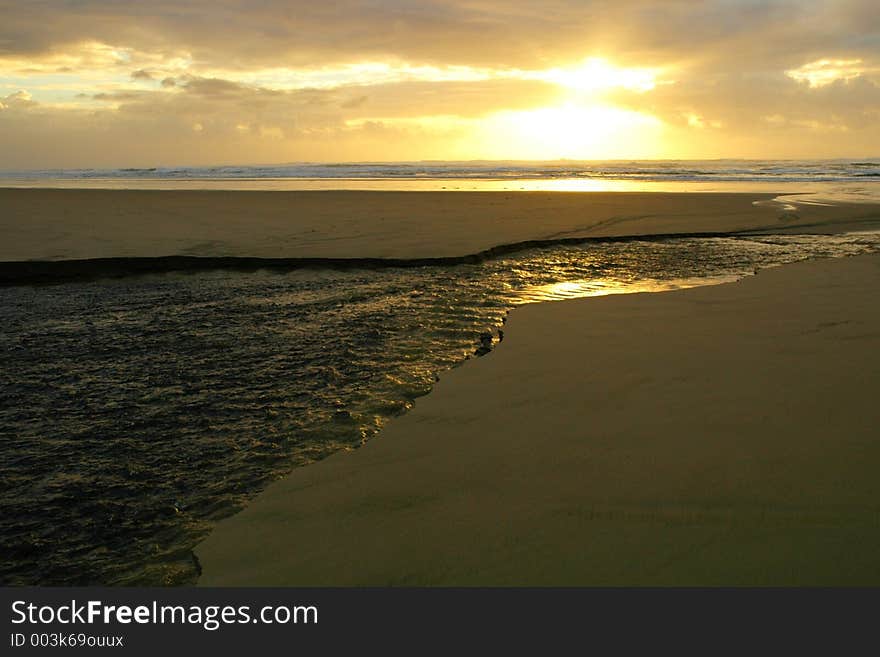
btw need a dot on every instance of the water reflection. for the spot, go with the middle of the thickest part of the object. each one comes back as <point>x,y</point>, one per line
<point>600,288</point>
<point>825,191</point>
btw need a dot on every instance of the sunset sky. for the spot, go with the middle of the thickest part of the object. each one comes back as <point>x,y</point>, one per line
<point>95,83</point>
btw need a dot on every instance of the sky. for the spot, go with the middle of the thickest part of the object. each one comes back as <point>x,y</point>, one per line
<point>101,83</point>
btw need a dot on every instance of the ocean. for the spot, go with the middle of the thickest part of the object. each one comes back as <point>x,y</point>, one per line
<point>851,179</point>
<point>137,412</point>
<point>848,170</point>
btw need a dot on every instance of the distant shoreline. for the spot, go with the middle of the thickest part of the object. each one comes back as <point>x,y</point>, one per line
<point>856,189</point>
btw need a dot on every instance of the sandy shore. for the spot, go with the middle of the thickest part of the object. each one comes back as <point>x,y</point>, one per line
<point>720,435</point>
<point>54,224</point>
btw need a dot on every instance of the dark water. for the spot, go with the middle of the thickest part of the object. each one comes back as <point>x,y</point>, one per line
<point>135,413</point>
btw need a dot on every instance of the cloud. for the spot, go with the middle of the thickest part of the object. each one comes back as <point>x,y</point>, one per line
<point>827,71</point>
<point>17,100</point>
<point>126,83</point>
<point>519,33</point>
<point>119,96</point>
<point>214,87</point>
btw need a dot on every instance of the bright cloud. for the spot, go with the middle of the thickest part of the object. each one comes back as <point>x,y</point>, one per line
<point>596,74</point>
<point>826,71</point>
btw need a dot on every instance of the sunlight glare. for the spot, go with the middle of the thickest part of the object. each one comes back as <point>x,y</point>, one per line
<point>575,131</point>
<point>596,74</point>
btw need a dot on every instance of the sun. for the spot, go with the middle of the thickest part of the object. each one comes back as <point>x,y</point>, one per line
<point>574,131</point>
<point>596,74</point>
<point>585,125</point>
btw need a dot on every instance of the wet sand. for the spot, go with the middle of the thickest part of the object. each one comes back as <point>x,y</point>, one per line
<point>56,224</point>
<point>723,435</point>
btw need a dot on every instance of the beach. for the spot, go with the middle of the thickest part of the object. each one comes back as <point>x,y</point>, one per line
<point>475,320</point>
<point>719,435</point>
<point>722,435</point>
<point>75,224</point>
<point>496,322</point>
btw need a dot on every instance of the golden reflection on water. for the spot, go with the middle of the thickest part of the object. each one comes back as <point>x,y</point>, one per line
<point>599,288</point>
<point>574,184</point>
<point>798,193</point>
